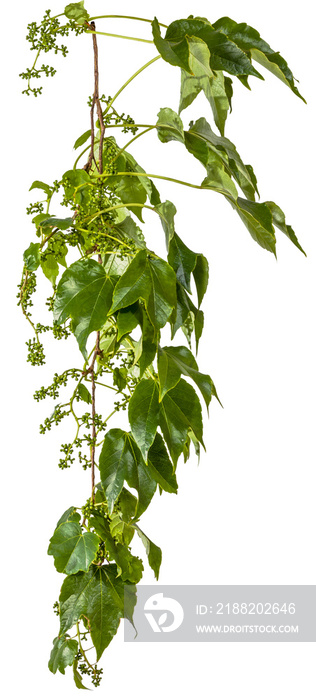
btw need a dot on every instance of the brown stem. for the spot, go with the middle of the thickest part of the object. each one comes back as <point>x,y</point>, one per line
<point>96,103</point>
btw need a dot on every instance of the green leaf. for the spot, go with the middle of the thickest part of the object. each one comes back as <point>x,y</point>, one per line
<point>82,139</point>
<point>50,268</point>
<point>162,298</point>
<point>249,39</point>
<point>201,134</point>
<point>224,54</point>
<point>152,280</point>
<point>187,314</point>
<point>174,361</point>
<point>258,220</point>
<point>177,56</point>
<point>70,515</point>
<point>84,393</point>
<point>199,57</point>
<point>99,596</point>
<point>153,552</point>
<point>84,293</point>
<point>279,220</point>
<point>132,191</point>
<point>72,549</point>
<point>182,260</point>
<point>160,466</point>
<point>167,212</point>
<point>217,90</point>
<point>128,505</point>
<point>120,377</point>
<point>113,460</point>
<point>129,567</point>
<point>128,319</point>
<point>143,414</point>
<point>78,676</point>
<point>76,185</point>
<point>31,257</point>
<point>149,344</point>
<point>130,231</point>
<point>77,12</point>
<point>54,222</point>
<point>63,654</point>
<point>169,126</point>
<point>133,285</point>
<point>120,460</point>
<point>39,185</point>
<point>147,184</point>
<point>180,410</point>
<point>201,277</point>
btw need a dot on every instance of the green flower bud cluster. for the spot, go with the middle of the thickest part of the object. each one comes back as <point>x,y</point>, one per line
<point>27,289</point>
<point>43,38</point>
<point>56,608</point>
<point>68,450</point>
<point>94,672</point>
<point>59,380</point>
<point>112,117</point>
<point>36,208</point>
<point>56,418</point>
<point>35,354</point>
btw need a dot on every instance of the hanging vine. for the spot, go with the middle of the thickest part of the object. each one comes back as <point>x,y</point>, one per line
<point>116,299</point>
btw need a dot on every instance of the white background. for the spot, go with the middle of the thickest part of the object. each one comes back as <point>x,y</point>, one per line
<point>246,514</point>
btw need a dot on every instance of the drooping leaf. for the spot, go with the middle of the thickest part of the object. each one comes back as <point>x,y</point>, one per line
<point>169,126</point>
<point>128,319</point>
<point>31,257</point>
<point>249,39</point>
<point>143,414</point>
<point>63,654</point>
<point>224,54</point>
<point>78,676</point>
<point>182,260</point>
<point>152,280</point>
<point>201,276</point>
<point>54,222</point>
<point>72,549</point>
<point>133,285</point>
<point>160,466</point>
<point>186,316</point>
<point>99,596</point>
<point>121,460</point>
<point>174,361</point>
<point>82,139</point>
<point>50,268</point>
<point>149,343</point>
<point>279,220</point>
<point>199,57</point>
<point>224,149</point>
<point>257,218</point>
<point>39,185</point>
<point>77,12</point>
<point>167,212</point>
<point>129,567</point>
<point>70,515</point>
<point>162,297</point>
<point>180,410</point>
<point>84,293</point>
<point>153,552</point>
<point>84,394</point>
<point>130,231</point>
<point>132,191</point>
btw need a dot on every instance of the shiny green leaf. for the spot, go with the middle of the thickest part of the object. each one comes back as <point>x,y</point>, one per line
<point>279,220</point>
<point>63,654</point>
<point>169,126</point>
<point>54,222</point>
<point>133,285</point>
<point>180,410</point>
<point>99,596</point>
<point>160,467</point>
<point>201,276</point>
<point>82,139</point>
<point>258,220</point>
<point>78,676</point>
<point>149,344</point>
<point>167,212</point>
<point>50,268</point>
<point>84,293</point>
<point>72,549</point>
<point>31,257</point>
<point>39,185</point>
<point>153,552</point>
<point>77,12</point>
<point>249,39</point>
<point>84,393</point>
<point>174,361</point>
<point>143,414</point>
<point>182,260</point>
